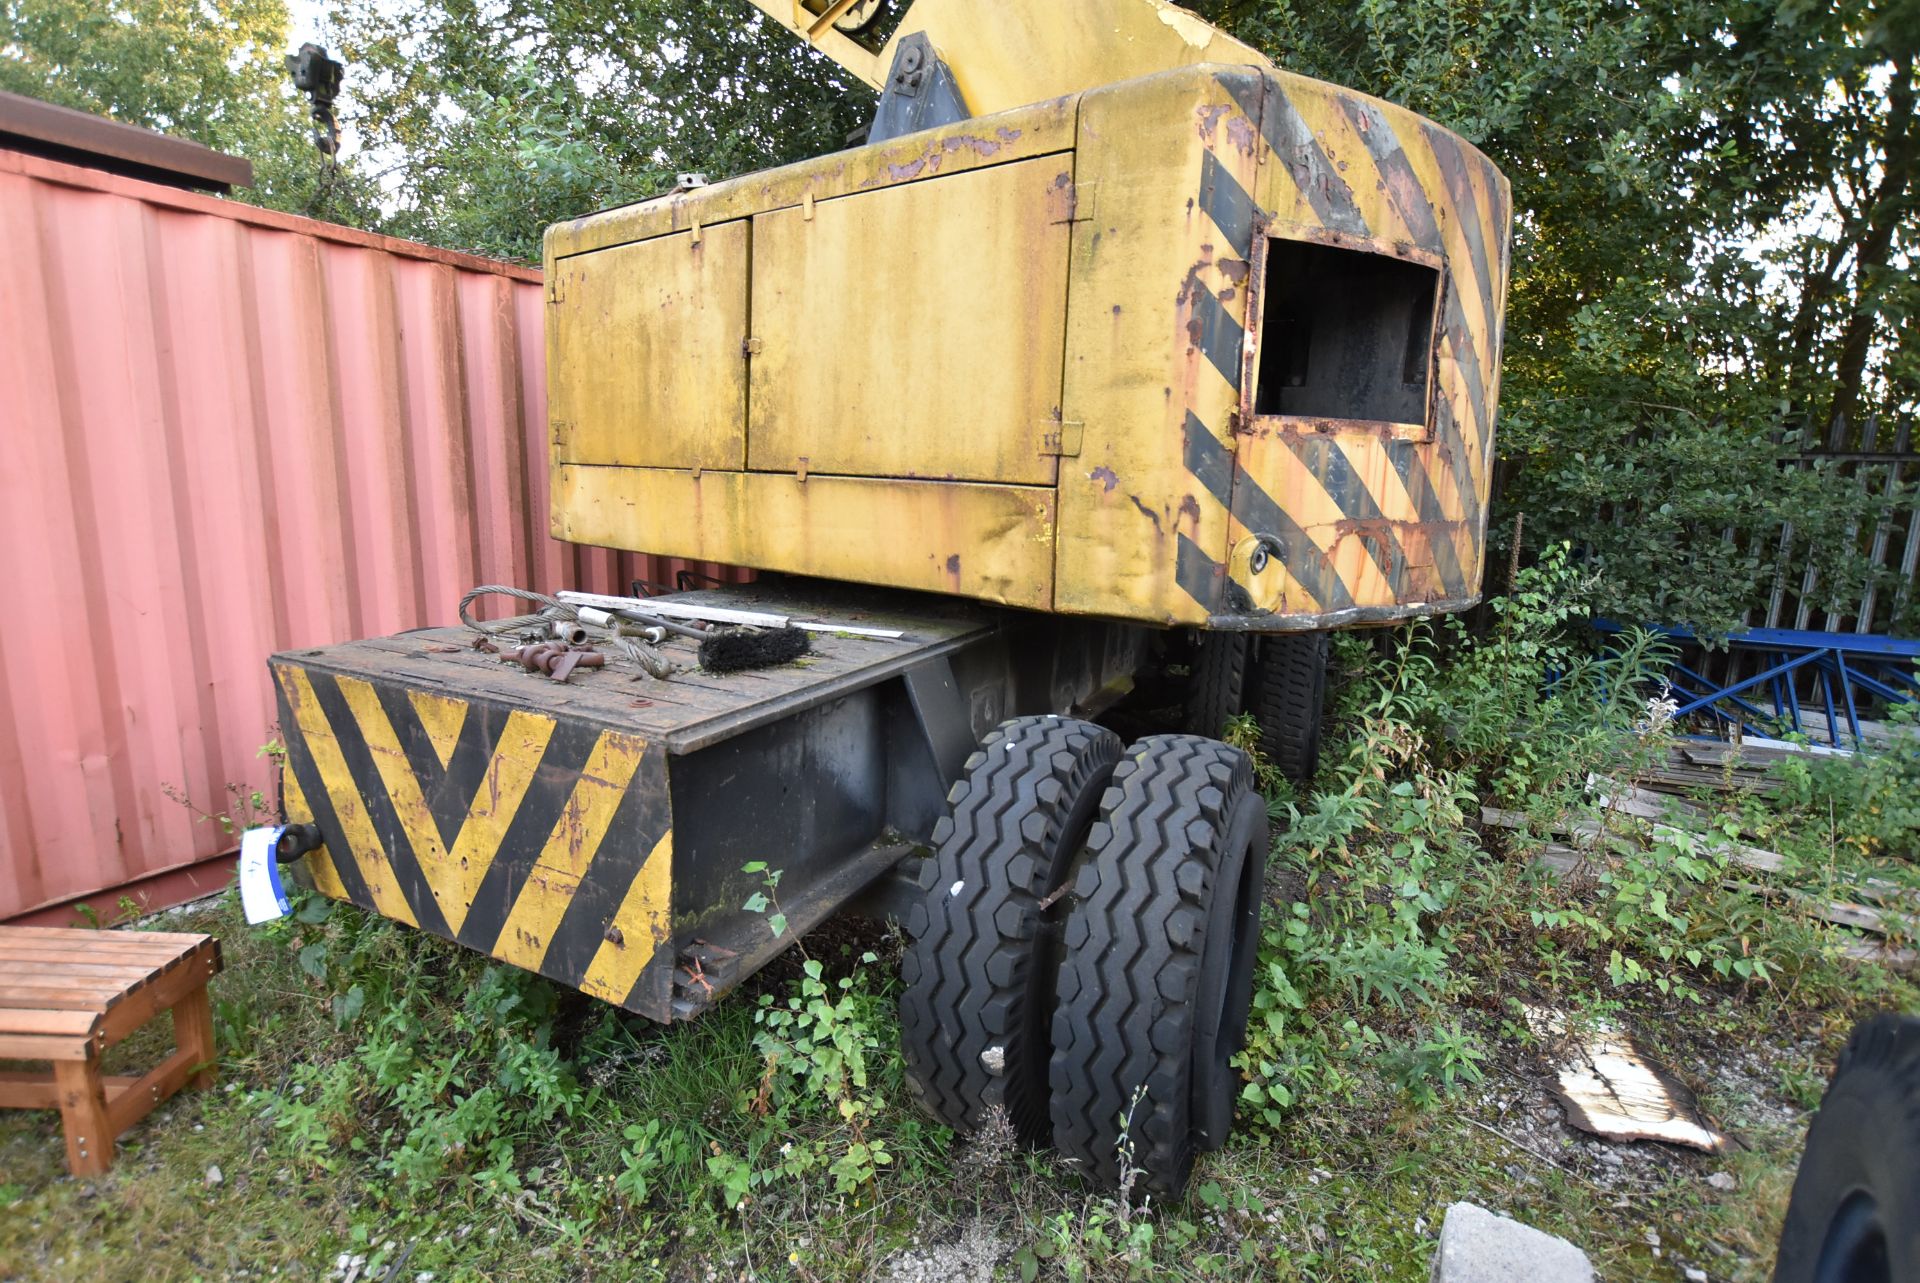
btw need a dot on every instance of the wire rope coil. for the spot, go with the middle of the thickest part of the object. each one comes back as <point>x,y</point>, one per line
<point>614,638</point>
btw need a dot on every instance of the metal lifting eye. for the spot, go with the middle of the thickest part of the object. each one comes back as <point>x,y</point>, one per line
<point>1264,544</point>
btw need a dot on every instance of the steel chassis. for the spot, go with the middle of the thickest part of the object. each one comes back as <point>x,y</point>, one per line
<point>526,818</point>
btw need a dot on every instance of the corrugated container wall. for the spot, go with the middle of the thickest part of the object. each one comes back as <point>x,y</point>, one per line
<point>224,432</point>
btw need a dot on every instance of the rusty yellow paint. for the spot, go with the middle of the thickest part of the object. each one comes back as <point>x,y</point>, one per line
<point>363,842</point>
<point>926,455</point>
<point>1136,375</point>
<point>956,369</point>
<point>442,719</point>
<point>1042,129</point>
<point>993,542</point>
<point>675,309</point>
<point>569,849</point>
<point>403,790</point>
<point>640,925</point>
<point>326,880</point>
<point>510,772</point>
<point>1005,55</point>
<point>452,875</point>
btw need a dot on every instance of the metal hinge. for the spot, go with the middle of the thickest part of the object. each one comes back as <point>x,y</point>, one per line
<point>1083,201</point>
<point>1062,437</point>
<point>751,346</point>
<point>554,293</point>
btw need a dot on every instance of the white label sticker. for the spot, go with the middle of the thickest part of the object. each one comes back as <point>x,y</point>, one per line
<point>261,897</point>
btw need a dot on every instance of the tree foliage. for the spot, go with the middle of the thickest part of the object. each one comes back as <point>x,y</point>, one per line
<point>503,116</point>
<point>210,72</point>
<point>1716,213</point>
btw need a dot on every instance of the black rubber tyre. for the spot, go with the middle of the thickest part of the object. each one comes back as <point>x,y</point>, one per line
<point>978,1003</point>
<point>1287,695</point>
<point>1855,1212</point>
<point>1157,977</point>
<point>1217,687</point>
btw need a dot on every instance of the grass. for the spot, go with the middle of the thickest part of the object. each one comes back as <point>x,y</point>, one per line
<point>1353,1191</point>
<point>391,1106</point>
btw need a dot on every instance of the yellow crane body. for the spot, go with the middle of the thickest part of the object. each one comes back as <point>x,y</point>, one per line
<point>1214,346</point>
<point>1115,345</point>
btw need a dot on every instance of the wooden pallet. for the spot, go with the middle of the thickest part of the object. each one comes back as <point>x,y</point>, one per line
<point>68,995</point>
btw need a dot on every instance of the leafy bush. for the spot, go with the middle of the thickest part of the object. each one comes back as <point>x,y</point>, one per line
<point>1399,895</point>
<point>1870,806</point>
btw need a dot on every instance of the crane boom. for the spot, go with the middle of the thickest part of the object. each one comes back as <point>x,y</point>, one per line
<point>1009,53</point>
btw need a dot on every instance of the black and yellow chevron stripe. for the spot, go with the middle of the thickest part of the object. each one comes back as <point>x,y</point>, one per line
<point>545,843</point>
<point>1366,173</point>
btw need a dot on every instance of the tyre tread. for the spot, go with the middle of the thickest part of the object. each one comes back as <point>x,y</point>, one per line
<point>967,969</point>
<point>1123,1017</point>
<point>1287,696</point>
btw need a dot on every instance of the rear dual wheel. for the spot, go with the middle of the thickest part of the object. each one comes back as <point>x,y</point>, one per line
<point>979,973</point>
<point>1084,958</point>
<point>1281,678</point>
<point>1157,976</point>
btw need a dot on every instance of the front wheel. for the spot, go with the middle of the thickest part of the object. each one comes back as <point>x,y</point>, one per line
<point>1157,975</point>
<point>980,971</point>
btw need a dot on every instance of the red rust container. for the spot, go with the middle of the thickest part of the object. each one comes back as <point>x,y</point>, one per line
<point>225,432</point>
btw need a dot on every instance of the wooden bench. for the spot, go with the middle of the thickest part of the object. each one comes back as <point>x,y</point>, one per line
<point>68,995</point>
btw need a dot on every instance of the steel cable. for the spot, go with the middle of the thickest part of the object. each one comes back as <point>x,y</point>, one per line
<point>634,650</point>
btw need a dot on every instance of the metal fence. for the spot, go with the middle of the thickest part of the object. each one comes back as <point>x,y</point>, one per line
<point>229,431</point>
<point>1882,459</point>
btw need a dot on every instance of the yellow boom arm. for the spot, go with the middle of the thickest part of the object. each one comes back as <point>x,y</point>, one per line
<point>1008,53</point>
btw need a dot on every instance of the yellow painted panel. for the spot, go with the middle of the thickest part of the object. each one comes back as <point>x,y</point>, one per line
<point>442,718</point>
<point>1157,294</point>
<point>452,875</point>
<point>363,842</point>
<point>496,799</point>
<point>640,925</point>
<point>992,542</point>
<point>951,149</point>
<point>645,358</point>
<point>569,849</point>
<point>1268,465</point>
<point>915,331</point>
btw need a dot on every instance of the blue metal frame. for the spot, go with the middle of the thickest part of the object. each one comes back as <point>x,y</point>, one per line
<point>1876,665</point>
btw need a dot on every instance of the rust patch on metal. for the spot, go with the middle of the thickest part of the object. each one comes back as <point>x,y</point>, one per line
<point>1233,269</point>
<point>1241,133</point>
<point>902,173</point>
<point>929,162</point>
<point>1149,514</point>
<point>1105,476</point>
<point>1209,115</point>
<point>968,142</point>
